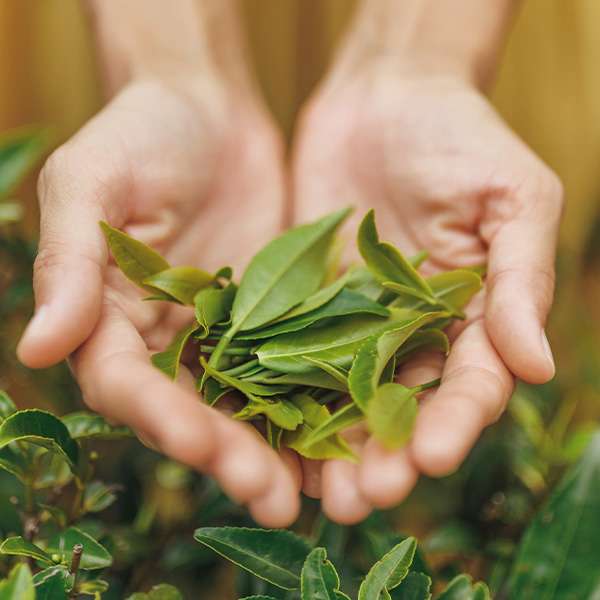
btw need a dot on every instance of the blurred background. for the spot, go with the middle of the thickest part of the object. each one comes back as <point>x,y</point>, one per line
<point>548,89</point>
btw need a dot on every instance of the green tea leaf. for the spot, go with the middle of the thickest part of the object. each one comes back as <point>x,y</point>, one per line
<point>82,425</point>
<point>318,379</point>
<point>336,343</point>
<point>391,414</point>
<point>182,283</point>
<point>424,340</point>
<point>167,361</point>
<point>346,302</point>
<point>376,352</point>
<point>315,415</point>
<point>386,262</point>
<point>20,149</point>
<point>95,556</point>
<point>213,391</point>
<point>274,433</point>
<point>559,553</point>
<point>280,411</point>
<point>455,287</point>
<point>388,572</point>
<point>93,586</point>
<point>7,406</point>
<point>415,586</point>
<point>284,273</point>
<point>343,418</point>
<point>19,585</point>
<point>340,374</point>
<point>365,283</point>
<point>213,306</point>
<point>134,258</point>
<point>13,462</point>
<point>18,546</point>
<point>97,496</point>
<point>461,588</point>
<point>274,555</point>
<point>162,591</point>
<point>320,580</point>
<point>43,429</point>
<point>52,583</point>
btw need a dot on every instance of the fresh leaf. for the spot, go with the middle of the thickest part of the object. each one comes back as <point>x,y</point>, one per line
<point>95,556</point>
<point>182,283</point>
<point>82,425</point>
<point>13,462</point>
<point>455,287</point>
<point>284,273</point>
<point>7,406</point>
<point>134,258</point>
<point>97,496</point>
<point>274,555</point>
<point>461,588</point>
<point>213,306</point>
<point>559,553</point>
<point>93,586</point>
<point>338,372</point>
<point>391,414</point>
<point>167,361</point>
<point>43,429</point>
<point>280,411</point>
<point>415,586</point>
<point>341,419</point>
<point>332,446</point>
<point>318,379</point>
<point>365,283</point>
<point>213,391</point>
<point>52,583</point>
<point>388,572</point>
<point>19,585</point>
<point>274,433</point>
<point>424,340</point>
<point>320,580</point>
<point>158,592</point>
<point>376,352</point>
<point>346,302</point>
<point>386,262</point>
<point>18,546</point>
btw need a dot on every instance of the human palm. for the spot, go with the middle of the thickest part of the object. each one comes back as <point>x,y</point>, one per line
<point>445,174</point>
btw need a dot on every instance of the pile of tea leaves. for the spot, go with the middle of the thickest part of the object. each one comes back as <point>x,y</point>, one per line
<point>293,337</point>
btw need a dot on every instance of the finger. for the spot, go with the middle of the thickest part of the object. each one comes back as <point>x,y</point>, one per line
<point>311,477</point>
<point>521,287</point>
<point>476,386</point>
<point>72,257</point>
<point>120,382</point>
<point>342,500</point>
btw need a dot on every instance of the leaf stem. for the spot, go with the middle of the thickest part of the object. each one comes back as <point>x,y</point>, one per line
<point>426,386</point>
<point>74,570</point>
<point>235,371</point>
<point>228,351</point>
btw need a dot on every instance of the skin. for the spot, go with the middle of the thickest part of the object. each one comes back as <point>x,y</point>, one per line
<point>400,124</point>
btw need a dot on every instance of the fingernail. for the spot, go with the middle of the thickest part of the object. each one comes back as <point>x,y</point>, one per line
<point>548,350</point>
<point>37,323</point>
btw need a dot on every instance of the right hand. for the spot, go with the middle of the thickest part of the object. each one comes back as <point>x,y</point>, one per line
<point>195,172</point>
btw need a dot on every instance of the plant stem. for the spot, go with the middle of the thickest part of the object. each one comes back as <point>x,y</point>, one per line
<point>74,570</point>
<point>235,371</point>
<point>227,351</point>
<point>426,386</point>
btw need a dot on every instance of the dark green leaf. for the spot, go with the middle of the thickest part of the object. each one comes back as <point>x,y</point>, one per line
<point>87,425</point>
<point>182,283</point>
<point>94,556</point>
<point>7,406</point>
<point>213,306</point>
<point>135,259</point>
<point>43,429</point>
<point>415,586</point>
<point>213,391</point>
<point>385,261</point>
<point>284,273</point>
<point>18,546</point>
<point>391,414</point>
<point>97,497</point>
<point>274,555</point>
<point>52,583</point>
<point>375,353</point>
<point>13,462</point>
<point>332,446</point>
<point>280,411</point>
<point>320,580</point>
<point>343,418</point>
<point>345,303</point>
<point>20,149</point>
<point>388,572</point>
<point>167,361</point>
<point>19,585</point>
<point>560,551</point>
<point>159,592</point>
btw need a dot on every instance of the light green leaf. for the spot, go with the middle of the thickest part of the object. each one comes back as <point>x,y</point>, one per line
<point>332,446</point>
<point>93,586</point>
<point>343,418</point>
<point>19,585</point>
<point>415,586</point>
<point>338,372</point>
<point>376,352</point>
<point>317,379</point>
<point>43,429</point>
<point>362,281</point>
<point>167,361</point>
<point>274,434</point>
<point>82,425</point>
<point>18,546</point>
<point>455,287</point>
<point>388,572</point>
<point>346,302</point>
<point>182,283</point>
<point>284,273</point>
<point>391,414</point>
<point>385,261</point>
<point>159,592</point>
<point>213,306</point>
<point>461,588</point>
<point>320,580</point>
<point>97,496</point>
<point>134,258</point>
<point>424,340</point>
<point>280,411</point>
<point>52,583</point>
<point>95,556</point>
<point>213,390</point>
<point>7,406</point>
<point>274,555</point>
<point>559,553</point>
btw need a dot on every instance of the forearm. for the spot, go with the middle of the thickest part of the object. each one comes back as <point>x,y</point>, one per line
<point>169,40</point>
<point>460,36</point>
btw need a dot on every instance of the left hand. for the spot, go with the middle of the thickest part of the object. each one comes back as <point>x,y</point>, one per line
<point>446,174</point>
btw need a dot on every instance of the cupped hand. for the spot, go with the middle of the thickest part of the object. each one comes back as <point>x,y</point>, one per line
<point>196,173</point>
<point>446,174</point>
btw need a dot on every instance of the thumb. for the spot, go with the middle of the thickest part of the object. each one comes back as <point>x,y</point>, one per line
<point>521,286</point>
<point>72,256</point>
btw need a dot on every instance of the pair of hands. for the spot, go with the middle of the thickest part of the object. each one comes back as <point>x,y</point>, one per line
<point>201,177</point>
